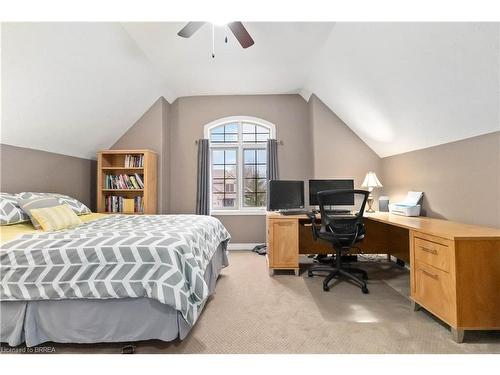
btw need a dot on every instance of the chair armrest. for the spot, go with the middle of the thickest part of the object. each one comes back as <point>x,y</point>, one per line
<point>312,216</point>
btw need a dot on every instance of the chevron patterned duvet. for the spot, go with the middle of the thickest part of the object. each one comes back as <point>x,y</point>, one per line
<point>162,257</point>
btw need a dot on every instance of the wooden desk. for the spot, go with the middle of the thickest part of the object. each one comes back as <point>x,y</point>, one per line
<point>454,267</point>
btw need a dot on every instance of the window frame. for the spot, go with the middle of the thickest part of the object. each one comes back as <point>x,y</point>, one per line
<point>240,146</point>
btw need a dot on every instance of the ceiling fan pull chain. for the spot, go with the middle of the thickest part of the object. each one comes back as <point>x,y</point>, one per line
<point>213,41</point>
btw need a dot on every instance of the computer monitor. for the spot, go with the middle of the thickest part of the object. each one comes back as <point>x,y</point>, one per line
<point>286,194</point>
<point>321,185</point>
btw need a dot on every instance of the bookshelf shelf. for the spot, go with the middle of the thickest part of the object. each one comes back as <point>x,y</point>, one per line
<point>123,168</point>
<point>139,190</point>
<point>114,175</point>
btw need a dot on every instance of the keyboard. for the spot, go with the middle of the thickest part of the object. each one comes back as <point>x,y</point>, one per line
<point>298,211</point>
<point>338,212</point>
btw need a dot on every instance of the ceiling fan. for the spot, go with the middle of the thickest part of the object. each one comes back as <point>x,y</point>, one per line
<point>237,28</point>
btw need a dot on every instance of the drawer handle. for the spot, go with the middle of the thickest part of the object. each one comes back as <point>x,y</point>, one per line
<point>426,249</point>
<point>429,274</point>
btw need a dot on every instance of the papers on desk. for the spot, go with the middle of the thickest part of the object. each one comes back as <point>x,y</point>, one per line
<point>412,198</point>
<point>409,206</point>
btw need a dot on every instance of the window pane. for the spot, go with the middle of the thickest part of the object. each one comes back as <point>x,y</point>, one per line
<point>217,200</point>
<point>224,178</point>
<point>261,156</point>
<point>218,157</point>
<point>231,128</point>
<point>261,129</point>
<point>261,185</point>
<point>230,186</point>
<point>249,156</point>
<point>224,134</point>
<point>230,171</point>
<point>262,137</point>
<point>250,171</point>
<point>261,200</point>
<point>261,171</point>
<point>218,171</point>
<point>248,128</point>
<point>218,130</point>
<point>218,186</point>
<point>229,200</point>
<point>231,138</point>
<point>217,137</point>
<point>230,156</point>
<point>249,137</point>
<point>249,185</point>
<point>249,200</point>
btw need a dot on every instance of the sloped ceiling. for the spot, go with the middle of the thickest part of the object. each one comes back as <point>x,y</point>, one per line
<point>403,87</point>
<point>74,88</point>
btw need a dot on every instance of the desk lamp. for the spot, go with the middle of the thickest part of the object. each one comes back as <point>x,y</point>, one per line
<point>371,181</point>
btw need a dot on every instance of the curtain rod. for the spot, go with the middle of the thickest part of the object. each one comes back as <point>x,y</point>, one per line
<point>280,142</point>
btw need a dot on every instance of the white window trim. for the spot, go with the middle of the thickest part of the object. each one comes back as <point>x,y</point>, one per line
<point>241,210</point>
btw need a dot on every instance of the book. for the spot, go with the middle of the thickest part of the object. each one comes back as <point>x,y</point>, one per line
<point>134,161</point>
<point>123,182</point>
<point>139,180</point>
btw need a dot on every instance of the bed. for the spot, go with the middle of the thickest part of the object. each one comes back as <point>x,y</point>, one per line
<point>115,278</point>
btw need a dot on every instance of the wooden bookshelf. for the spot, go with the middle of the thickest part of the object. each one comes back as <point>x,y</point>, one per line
<point>112,162</point>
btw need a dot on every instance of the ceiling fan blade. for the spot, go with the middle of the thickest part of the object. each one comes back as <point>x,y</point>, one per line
<point>241,34</point>
<point>191,27</point>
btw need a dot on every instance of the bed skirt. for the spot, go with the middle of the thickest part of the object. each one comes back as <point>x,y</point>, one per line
<point>95,321</point>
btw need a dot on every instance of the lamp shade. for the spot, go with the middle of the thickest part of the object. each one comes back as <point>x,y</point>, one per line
<point>371,181</point>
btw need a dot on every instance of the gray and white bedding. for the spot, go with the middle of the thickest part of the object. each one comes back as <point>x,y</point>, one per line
<point>162,257</point>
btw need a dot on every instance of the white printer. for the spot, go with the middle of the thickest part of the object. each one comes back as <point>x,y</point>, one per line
<point>409,206</point>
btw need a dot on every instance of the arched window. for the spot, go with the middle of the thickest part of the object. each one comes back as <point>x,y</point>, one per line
<point>238,163</point>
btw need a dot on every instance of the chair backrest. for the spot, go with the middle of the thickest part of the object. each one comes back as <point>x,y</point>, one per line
<point>342,229</point>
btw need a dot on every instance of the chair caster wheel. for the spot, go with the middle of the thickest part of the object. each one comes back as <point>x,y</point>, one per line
<point>309,274</point>
<point>326,288</point>
<point>365,290</point>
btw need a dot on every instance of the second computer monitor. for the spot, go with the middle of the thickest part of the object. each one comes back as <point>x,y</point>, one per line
<point>320,185</point>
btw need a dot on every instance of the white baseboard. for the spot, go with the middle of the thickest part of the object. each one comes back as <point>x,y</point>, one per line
<point>242,246</point>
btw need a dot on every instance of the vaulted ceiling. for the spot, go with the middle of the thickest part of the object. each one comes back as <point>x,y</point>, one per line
<point>74,88</point>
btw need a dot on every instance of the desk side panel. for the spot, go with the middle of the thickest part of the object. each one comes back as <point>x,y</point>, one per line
<point>478,283</point>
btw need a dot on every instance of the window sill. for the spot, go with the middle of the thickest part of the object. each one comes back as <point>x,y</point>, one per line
<point>237,212</point>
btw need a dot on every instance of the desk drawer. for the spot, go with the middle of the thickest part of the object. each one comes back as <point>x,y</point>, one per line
<point>432,253</point>
<point>434,291</point>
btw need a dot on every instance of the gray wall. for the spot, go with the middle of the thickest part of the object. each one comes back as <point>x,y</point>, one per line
<point>25,169</point>
<point>460,180</point>
<point>148,133</point>
<point>338,151</point>
<point>189,115</point>
<point>316,143</point>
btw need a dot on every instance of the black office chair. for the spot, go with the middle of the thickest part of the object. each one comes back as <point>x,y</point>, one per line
<point>343,231</point>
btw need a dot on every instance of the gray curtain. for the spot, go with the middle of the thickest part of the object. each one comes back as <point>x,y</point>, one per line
<point>272,162</point>
<point>272,159</point>
<point>202,186</point>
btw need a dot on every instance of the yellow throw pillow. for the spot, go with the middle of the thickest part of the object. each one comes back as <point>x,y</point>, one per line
<point>56,218</point>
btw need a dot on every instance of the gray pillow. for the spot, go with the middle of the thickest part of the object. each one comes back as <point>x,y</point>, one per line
<point>41,202</point>
<point>10,212</point>
<point>78,207</point>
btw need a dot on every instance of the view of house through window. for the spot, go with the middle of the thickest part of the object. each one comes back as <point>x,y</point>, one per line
<point>238,164</point>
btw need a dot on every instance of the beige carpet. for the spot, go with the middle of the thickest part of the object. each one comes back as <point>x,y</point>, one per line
<point>254,313</point>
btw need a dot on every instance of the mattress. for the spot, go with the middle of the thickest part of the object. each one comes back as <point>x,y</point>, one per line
<point>98,321</point>
<point>83,320</point>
